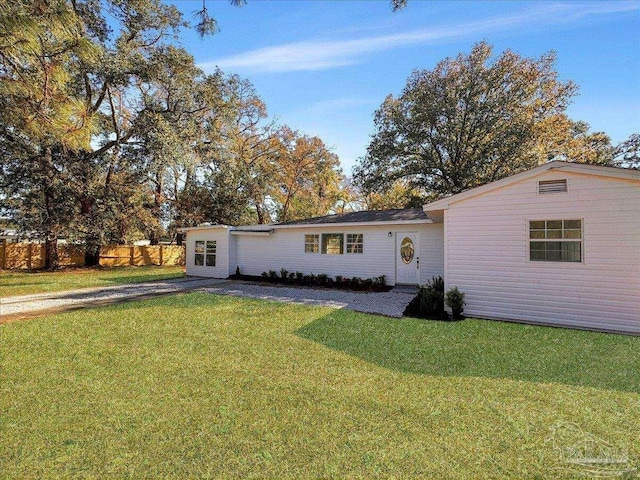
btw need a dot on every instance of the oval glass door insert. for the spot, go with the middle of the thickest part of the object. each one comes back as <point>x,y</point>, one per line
<point>406,250</point>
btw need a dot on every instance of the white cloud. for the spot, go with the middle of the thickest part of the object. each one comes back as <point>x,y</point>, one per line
<point>327,54</point>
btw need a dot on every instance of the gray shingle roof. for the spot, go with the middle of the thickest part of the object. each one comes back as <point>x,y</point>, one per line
<point>364,216</point>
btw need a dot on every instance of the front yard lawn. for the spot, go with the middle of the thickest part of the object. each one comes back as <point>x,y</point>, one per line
<point>14,282</point>
<point>199,385</point>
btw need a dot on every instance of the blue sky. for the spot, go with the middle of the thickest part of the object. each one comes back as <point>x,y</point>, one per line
<point>324,67</point>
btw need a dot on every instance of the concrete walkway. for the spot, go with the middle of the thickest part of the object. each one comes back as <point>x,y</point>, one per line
<point>390,303</point>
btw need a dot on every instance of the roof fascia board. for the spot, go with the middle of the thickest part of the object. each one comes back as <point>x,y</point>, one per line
<point>356,224</point>
<point>203,227</point>
<point>255,233</point>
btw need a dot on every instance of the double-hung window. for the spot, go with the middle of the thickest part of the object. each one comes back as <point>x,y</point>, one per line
<point>312,243</point>
<point>205,253</point>
<point>355,243</point>
<point>555,240</point>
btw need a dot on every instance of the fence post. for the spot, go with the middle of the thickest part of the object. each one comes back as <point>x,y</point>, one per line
<point>4,254</point>
<point>161,256</point>
<point>131,250</point>
<point>29,260</point>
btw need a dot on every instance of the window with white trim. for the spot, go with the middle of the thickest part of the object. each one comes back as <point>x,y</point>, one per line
<point>555,240</point>
<point>333,243</point>
<point>355,243</point>
<point>205,253</point>
<point>312,243</point>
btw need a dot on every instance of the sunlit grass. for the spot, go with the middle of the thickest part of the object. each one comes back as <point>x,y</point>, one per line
<point>210,386</point>
<point>26,283</point>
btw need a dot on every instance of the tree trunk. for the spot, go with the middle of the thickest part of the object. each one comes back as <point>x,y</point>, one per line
<point>157,200</point>
<point>179,238</point>
<point>50,230</point>
<point>92,252</point>
<point>51,253</point>
<point>260,214</point>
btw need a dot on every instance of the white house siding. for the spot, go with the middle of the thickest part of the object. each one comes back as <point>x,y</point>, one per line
<point>487,254</point>
<point>431,252</point>
<point>284,248</point>
<point>221,236</point>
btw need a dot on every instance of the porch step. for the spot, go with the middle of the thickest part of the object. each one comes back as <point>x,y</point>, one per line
<point>405,289</point>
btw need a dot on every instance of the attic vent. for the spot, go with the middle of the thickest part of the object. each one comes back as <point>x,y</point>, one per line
<point>552,186</point>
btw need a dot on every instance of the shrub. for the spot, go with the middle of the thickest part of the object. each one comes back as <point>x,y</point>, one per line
<point>432,297</point>
<point>455,300</point>
<point>238,271</point>
<point>322,279</point>
<point>429,302</point>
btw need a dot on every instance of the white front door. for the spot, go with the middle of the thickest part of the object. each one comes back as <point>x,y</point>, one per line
<point>408,258</point>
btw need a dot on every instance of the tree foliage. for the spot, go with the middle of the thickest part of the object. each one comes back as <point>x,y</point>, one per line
<point>471,120</point>
<point>109,132</point>
<point>307,176</point>
<point>627,154</point>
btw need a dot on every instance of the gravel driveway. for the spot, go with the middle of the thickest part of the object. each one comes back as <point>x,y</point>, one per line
<point>71,299</point>
<point>390,303</point>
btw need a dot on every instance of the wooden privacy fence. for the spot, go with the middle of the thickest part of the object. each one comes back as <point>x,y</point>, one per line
<point>31,255</point>
<point>120,255</point>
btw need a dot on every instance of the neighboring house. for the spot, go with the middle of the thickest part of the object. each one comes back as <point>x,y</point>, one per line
<point>558,245</point>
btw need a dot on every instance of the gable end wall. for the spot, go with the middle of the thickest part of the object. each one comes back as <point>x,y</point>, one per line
<point>487,254</point>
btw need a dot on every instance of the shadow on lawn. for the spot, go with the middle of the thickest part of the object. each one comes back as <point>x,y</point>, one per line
<point>480,348</point>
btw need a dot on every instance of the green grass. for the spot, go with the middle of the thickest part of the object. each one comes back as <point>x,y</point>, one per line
<point>200,385</point>
<point>27,283</point>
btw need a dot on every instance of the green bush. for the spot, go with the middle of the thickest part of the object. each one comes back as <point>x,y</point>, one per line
<point>455,300</point>
<point>429,302</point>
<point>324,280</point>
<point>432,297</point>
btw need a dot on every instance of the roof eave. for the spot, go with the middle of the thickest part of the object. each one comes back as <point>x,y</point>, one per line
<point>356,224</point>
<point>202,227</point>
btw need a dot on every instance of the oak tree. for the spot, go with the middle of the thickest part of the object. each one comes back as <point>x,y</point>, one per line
<point>468,121</point>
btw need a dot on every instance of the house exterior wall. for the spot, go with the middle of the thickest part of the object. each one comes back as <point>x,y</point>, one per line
<point>487,253</point>
<point>221,236</point>
<point>285,249</point>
